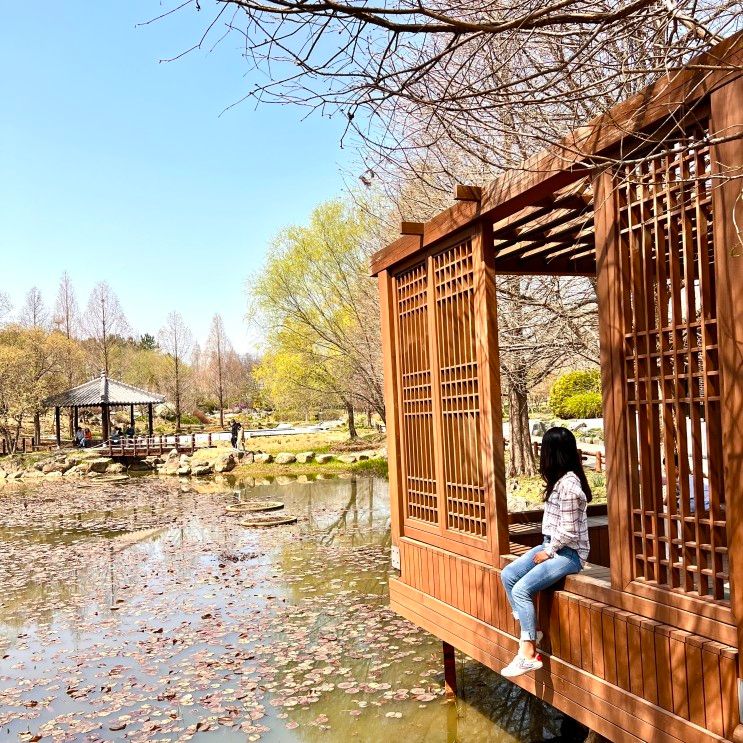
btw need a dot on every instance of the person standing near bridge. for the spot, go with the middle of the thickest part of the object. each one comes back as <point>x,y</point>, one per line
<point>235,430</point>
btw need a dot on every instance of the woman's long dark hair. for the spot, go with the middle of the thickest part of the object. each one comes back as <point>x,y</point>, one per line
<point>558,456</point>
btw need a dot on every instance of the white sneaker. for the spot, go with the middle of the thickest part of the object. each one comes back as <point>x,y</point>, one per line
<point>520,665</point>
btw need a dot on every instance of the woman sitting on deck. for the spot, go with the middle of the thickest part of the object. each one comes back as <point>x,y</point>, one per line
<point>565,547</point>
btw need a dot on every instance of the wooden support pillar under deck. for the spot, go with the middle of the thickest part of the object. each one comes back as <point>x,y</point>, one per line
<point>450,671</point>
<point>727,165</point>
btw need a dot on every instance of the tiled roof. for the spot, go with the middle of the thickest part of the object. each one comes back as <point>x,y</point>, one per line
<point>103,390</point>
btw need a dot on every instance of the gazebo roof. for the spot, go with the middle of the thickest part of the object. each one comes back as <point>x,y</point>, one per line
<point>102,391</point>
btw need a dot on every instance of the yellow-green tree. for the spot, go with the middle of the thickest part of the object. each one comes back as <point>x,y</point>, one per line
<point>320,312</point>
<point>32,366</point>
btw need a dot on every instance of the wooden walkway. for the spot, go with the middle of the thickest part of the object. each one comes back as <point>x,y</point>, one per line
<point>139,447</point>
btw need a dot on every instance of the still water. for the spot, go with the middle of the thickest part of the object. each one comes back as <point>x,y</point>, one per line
<point>144,611</point>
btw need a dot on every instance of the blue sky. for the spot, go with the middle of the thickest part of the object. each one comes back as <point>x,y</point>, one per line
<point>114,166</point>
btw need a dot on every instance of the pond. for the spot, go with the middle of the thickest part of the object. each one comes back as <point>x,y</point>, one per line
<point>144,611</point>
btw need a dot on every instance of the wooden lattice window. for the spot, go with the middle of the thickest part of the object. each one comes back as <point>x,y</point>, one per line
<point>677,496</point>
<point>417,445</point>
<point>458,382</point>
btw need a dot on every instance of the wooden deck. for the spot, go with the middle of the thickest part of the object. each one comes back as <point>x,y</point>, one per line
<point>627,675</point>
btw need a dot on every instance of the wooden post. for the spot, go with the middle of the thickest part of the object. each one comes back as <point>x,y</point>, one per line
<point>450,671</point>
<point>209,439</point>
<point>391,404</point>
<point>57,425</point>
<point>149,419</point>
<point>727,208</point>
<point>75,418</point>
<point>131,416</point>
<point>611,333</point>
<point>492,461</point>
<point>104,421</point>
<point>193,443</point>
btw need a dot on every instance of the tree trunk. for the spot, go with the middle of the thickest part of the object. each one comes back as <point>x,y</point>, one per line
<point>521,460</point>
<point>37,428</point>
<point>177,398</point>
<point>352,433</point>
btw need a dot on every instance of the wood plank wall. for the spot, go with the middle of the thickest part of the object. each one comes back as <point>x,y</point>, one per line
<point>664,677</point>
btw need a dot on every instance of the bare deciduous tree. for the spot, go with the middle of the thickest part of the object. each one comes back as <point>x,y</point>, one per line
<point>410,75</point>
<point>104,323</point>
<point>176,340</point>
<point>218,350</point>
<point>545,324</point>
<point>34,314</point>
<point>66,319</point>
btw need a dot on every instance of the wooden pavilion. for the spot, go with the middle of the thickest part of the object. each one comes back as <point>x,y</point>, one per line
<point>106,394</point>
<point>645,644</point>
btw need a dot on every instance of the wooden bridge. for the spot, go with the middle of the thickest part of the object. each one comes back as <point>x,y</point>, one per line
<point>138,447</point>
<point>645,643</point>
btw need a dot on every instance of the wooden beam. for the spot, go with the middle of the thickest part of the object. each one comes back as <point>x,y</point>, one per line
<point>411,228</point>
<point>467,193</point>
<point>388,309</point>
<point>727,209</point>
<point>542,175</point>
<point>611,334</point>
<point>492,446</point>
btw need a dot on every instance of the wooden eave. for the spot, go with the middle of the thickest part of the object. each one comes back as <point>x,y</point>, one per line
<point>533,186</point>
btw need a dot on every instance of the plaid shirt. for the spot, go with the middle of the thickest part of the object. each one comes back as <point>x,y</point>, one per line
<point>565,519</point>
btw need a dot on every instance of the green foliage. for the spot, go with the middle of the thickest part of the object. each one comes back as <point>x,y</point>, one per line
<point>317,303</point>
<point>31,368</point>
<point>571,384</point>
<point>147,342</point>
<point>583,405</point>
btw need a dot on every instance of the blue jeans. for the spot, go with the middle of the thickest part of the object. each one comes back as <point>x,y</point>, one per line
<point>522,579</point>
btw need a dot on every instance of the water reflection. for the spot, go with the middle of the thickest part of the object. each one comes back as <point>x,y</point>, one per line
<point>145,612</point>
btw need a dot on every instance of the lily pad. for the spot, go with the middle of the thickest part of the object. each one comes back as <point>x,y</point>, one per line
<point>260,521</point>
<point>255,506</point>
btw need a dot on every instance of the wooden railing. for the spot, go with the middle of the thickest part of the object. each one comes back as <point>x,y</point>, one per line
<point>144,446</point>
<point>25,444</point>
<point>599,456</point>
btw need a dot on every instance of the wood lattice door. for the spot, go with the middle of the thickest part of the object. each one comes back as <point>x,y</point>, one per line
<point>416,407</point>
<point>671,374</point>
<point>445,495</point>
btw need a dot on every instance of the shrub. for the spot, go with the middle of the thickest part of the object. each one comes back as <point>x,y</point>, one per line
<point>571,384</point>
<point>583,405</point>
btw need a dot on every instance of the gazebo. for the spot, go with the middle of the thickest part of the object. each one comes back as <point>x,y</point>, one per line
<point>103,393</point>
<point>646,644</point>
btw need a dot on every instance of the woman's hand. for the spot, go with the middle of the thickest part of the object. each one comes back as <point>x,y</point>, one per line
<point>541,557</point>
